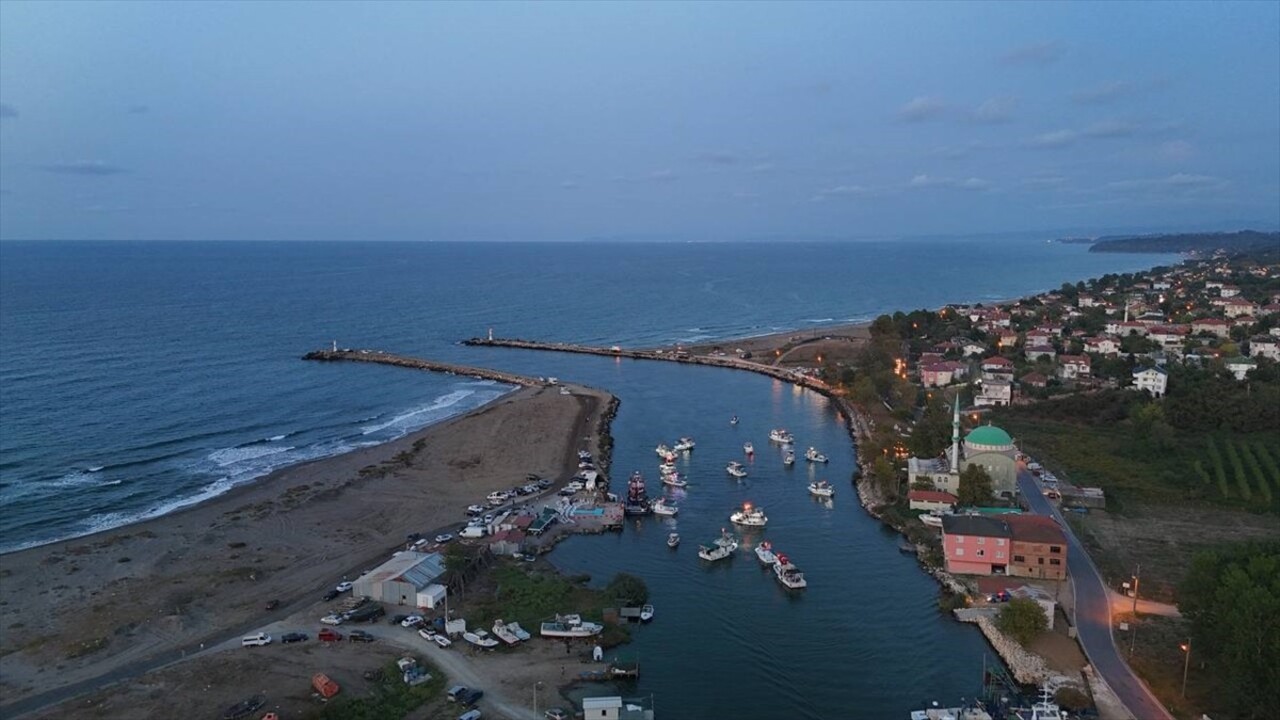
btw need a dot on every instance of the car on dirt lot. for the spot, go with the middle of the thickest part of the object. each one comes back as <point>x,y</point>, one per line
<point>329,635</point>
<point>293,637</point>
<point>343,586</point>
<point>444,538</point>
<point>476,509</point>
<point>360,636</point>
<point>331,595</point>
<point>556,714</point>
<point>470,697</point>
<point>471,715</point>
<point>331,619</point>
<point>412,621</point>
<point>455,692</point>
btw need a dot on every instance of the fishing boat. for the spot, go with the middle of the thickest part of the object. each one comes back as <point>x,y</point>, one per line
<point>504,633</point>
<point>780,435</point>
<point>662,508</point>
<point>788,574</point>
<point>717,551</point>
<point>673,540</point>
<point>822,488</point>
<point>956,713</point>
<point>674,480</point>
<point>666,468</point>
<point>520,633</point>
<point>570,626</point>
<point>480,638</point>
<point>748,448</point>
<point>789,459</point>
<point>637,497</point>
<point>764,551</point>
<point>1045,709</point>
<point>733,420</point>
<point>646,613</point>
<point>750,516</point>
<point>735,469</point>
<point>726,538</point>
<point>662,450</point>
<point>685,444</point>
<point>931,519</point>
<point>812,455</point>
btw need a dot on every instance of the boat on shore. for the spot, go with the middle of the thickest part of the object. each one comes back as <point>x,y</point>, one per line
<point>937,712</point>
<point>570,626</point>
<point>505,633</point>
<point>764,551</point>
<point>480,638</point>
<point>931,519</point>
<point>662,508</point>
<point>788,574</point>
<point>673,540</point>
<point>822,488</point>
<point>735,469</point>
<point>748,448</point>
<point>780,435</point>
<point>1044,709</point>
<point>749,516</point>
<point>718,550</point>
<point>812,455</point>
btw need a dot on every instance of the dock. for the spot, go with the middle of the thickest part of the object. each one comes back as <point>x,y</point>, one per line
<point>383,358</point>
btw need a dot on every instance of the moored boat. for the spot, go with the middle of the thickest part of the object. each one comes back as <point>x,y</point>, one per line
<point>780,435</point>
<point>717,551</point>
<point>674,480</point>
<point>822,488</point>
<point>748,448</point>
<point>789,459</point>
<point>735,469</point>
<point>685,444</point>
<point>673,540</point>
<point>788,574</point>
<point>750,516</point>
<point>661,507</point>
<point>646,613</point>
<point>733,420</point>
<point>812,455</point>
<point>570,626</point>
<point>662,450</point>
<point>764,551</point>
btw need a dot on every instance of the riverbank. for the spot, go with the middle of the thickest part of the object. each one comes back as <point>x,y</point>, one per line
<point>109,606</point>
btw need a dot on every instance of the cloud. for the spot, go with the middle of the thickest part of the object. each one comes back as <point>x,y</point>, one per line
<point>921,108</point>
<point>1055,139</point>
<point>1177,184</point>
<point>840,191</point>
<point>928,181</point>
<point>1103,94</point>
<point>1039,54</point>
<point>663,175</point>
<point>996,110</point>
<point>762,167</point>
<point>87,168</point>
<point>8,111</point>
<point>1111,129</point>
<point>716,157</point>
<point>569,184</point>
<point>138,109</point>
<point>1043,182</point>
<point>1177,150</point>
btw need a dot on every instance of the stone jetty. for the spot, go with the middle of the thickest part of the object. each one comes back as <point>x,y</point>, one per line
<point>383,358</point>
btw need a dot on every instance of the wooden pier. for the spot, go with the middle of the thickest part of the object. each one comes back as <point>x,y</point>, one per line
<point>382,358</point>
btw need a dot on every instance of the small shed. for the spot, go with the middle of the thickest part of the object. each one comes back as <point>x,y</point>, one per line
<point>602,708</point>
<point>399,580</point>
<point>432,596</point>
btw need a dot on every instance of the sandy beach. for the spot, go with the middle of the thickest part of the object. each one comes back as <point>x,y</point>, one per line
<point>107,607</point>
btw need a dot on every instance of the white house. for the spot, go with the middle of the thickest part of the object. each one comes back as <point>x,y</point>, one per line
<point>1035,352</point>
<point>1074,366</point>
<point>972,348</point>
<point>1102,345</point>
<point>997,369</point>
<point>1228,291</point>
<point>994,393</point>
<point>1240,366</point>
<point>1263,346</point>
<point>1237,307</point>
<point>1212,326</point>
<point>1153,380</point>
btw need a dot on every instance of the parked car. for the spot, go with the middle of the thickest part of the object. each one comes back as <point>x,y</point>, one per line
<point>343,586</point>
<point>556,713</point>
<point>331,619</point>
<point>412,621</point>
<point>329,635</point>
<point>427,633</point>
<point>470,697</point>
<point>293,637</point>
<point>360,636</point>
<point>413,536</point>
<point>456,691</point>
<point>476,509</point>
<point>544,483</point>
<point>273,604</point>
<point>255,640</point>
<point>331,595</point>
<point>444,538</point>
<point>472,714</point>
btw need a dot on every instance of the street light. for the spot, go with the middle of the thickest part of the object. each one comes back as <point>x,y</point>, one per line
<point>535,696</point>
<point>1186,663</point>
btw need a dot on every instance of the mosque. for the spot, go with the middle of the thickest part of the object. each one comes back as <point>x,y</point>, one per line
<point>987,446</point>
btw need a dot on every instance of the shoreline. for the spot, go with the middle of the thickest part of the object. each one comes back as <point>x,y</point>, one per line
<point>140,597</point>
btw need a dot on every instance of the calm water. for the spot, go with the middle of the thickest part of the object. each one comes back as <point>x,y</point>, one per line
<point>135,378</point>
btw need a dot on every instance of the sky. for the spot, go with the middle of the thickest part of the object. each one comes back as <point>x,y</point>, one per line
<point>699,121</point>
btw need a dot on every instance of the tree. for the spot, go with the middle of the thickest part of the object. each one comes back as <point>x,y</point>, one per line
<point>975,486</point>
<point>1022,619</point>
<point>884,475</point>
<point>1232,598</point>
<point>455,558</point>
<point>627,589</point>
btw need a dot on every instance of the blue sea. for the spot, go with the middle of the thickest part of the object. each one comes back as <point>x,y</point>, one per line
<point>137,378</point>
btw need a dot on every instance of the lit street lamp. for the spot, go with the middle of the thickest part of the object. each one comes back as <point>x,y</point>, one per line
<point>1186,663</point>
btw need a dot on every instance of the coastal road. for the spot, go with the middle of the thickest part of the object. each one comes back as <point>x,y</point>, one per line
<point>1093,615</point>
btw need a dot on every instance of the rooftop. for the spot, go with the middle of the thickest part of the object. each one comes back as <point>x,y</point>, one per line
<point>988,435</point>
<point>974,525</point>
<point>1035,529</point>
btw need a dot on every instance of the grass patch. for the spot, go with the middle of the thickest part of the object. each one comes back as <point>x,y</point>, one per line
<point>389,697</point>
<point>532,596</point>
<point>87,647</point>
<point>1158,659</point>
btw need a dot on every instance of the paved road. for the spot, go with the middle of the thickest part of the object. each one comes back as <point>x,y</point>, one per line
<point>1093,616</point>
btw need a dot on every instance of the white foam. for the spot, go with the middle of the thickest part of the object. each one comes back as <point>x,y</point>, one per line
<point>235,455</point>
<point>819,320</point>
<point>75,478</point>
<point>277,438</point>
<point>420,416</point>
<point>97,468</point>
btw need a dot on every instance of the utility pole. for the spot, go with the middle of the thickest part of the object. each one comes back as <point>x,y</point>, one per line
<point>1186,648</point>
<point>1137,573</point>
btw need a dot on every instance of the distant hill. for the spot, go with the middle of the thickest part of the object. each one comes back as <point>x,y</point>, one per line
<point>1189,242</point>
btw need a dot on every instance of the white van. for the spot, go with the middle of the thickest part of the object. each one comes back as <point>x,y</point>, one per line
<point>255,640</point>
<point>472,531</point>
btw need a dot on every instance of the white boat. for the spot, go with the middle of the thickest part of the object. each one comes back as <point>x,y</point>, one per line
<point>812,455</point>
<point>733,420</point>
<point>504,633</point>
<point>674,480</point>
<point>520,633</point>
<point>570,626</point>
<point>673,540</point>
<point>662,450</point>
<point>667,468</point>
<point>735,469</point>
<point>748,448</point>
<point>750,516</point>
<point>822,488</point>
<point>764,551</point>
<point>1045,709</point>
<point>726,539</point>
<point>780,435</point>
<point>717,551</point>
<point>684,445</point>
<point>480,638</point>
<point>646,613</point>
<point>955,713</point>
<point>788,574</point>
<point>789,459</point>
<point>931,519</point>
<point>662,508</point>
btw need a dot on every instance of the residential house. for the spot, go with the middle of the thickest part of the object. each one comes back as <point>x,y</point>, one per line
<point>1269,309</point>
<point>1211,326</point>
<point>1235,307</point>
<point>1034,379</point>
<point>931,500</point>
<point>943,373</point>
<point>935,471</point>
<point>1263,346</point>
<point>1006,339</point>
<point>994,393</point>
<point>1036,352</point>
<point>1103,345</point>
<point>1161,285</point>
<point>997,369</point>
<point>1151,318</point>
<point>1039,547</point>
<point>1086,301</point>
<point>1125,327</point>
<point>971,348</point>
<point>1153,380</point>
<point>1040,336</point>
<point>1168,336</point>
<point>1072,367</point>
<point>1017,545</point>
<point>1228,291</point>
<point>1240,366</point>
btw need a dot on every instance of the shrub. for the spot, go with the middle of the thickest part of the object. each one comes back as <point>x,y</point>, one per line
<point>1218,471</point>
<point>627,589</point>
<point>1259,477</point>
<point>1268,462</point>
<point>1022,619</point>
<point>1237,469</point>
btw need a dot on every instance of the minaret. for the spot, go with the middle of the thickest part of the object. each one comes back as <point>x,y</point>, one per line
<point>1126,309</point>
<point>955,435</point>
